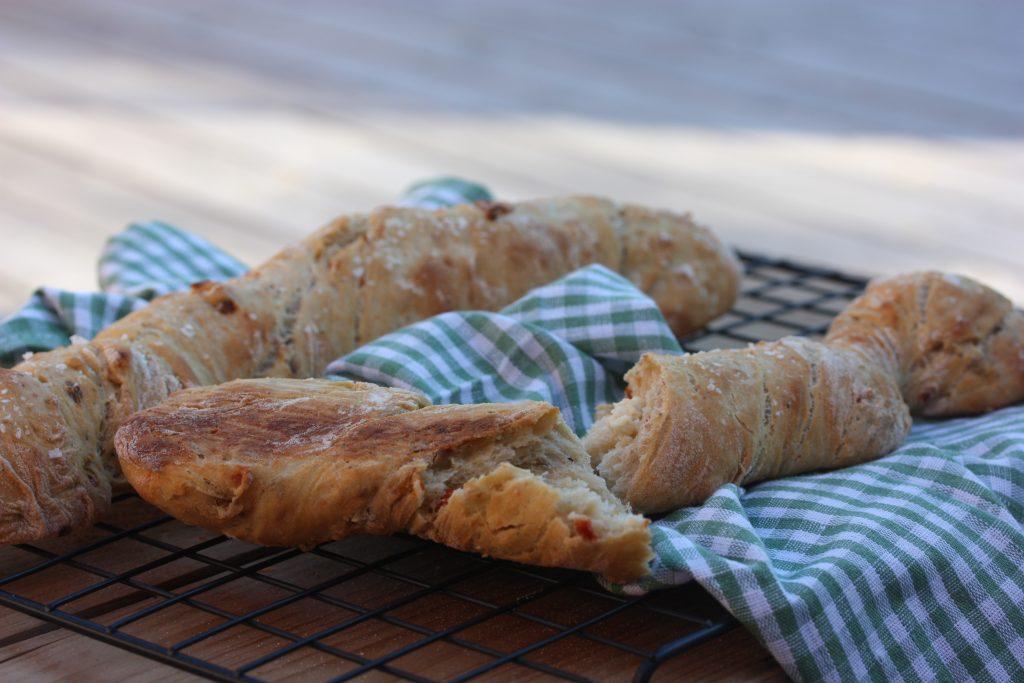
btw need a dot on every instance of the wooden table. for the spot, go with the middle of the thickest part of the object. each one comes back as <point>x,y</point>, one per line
<point>876,137</point>
<point>35,650</point>
<point>30,648</point>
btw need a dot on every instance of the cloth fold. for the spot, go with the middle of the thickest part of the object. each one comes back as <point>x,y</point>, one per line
<point>905,568</point>
<point>567,343</point>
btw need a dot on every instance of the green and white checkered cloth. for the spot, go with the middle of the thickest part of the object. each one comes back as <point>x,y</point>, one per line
<point>906,568</point>
<point>910,567</point>
<point>567,343</point>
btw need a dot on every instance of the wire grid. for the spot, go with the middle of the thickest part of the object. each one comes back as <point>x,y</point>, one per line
<point>398,606</point>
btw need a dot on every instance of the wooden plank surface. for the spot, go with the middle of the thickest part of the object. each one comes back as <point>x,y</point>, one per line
<point>875,137</point>
<point>870,137</point>
<point>165,595</point>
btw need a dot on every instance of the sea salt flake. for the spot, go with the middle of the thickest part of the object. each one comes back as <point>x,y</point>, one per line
<point>55,453</point>
<point>78,340</point>
<point>27,355</point>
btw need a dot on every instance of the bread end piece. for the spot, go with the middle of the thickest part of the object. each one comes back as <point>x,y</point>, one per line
<point>53,479</point>
<point>693,423</point>
<point>536,500</point>
<point>638,444</point>
<point>301,462</point>
<point>956,345</point>
<point>691,274</point>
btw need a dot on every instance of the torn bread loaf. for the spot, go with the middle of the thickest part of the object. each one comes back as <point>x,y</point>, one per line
<point>301,462</point>
<point>359,277</point>
<point>926,343</point>
<point>696,422</point>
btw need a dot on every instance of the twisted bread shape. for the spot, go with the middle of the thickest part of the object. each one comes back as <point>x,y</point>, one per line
<point>356,279</point>
<point>925,343</point>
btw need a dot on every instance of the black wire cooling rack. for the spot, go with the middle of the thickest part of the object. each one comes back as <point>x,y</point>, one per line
<point>395,607</point>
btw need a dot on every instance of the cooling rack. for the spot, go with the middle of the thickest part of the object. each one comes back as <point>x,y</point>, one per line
<point>386,608</point>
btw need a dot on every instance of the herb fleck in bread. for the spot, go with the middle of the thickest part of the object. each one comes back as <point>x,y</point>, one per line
<point>298,463</point>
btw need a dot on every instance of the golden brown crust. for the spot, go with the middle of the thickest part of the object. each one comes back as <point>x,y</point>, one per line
<point>298,463</point>
<point>691,275</point>
<point>957,345</point>
<point>53,473</point>
<point>742,416</point>
<point>927,343</point>
<point>357,278</point>
<point>474,257</point>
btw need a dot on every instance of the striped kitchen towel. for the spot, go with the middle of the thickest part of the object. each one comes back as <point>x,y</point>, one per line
<point>906,568</point>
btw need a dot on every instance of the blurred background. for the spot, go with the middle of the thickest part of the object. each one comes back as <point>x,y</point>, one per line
<point>872,136</point>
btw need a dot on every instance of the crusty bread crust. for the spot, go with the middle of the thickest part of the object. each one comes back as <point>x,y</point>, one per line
<point>297,463</point>
<point>742,416</point>
<point>927,343</point>
<point>956,345</point>
<point>359,277</point>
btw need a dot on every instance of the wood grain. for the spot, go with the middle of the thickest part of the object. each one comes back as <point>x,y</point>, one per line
<point>357,599</point>
<point>875,137</point>
<point>805,129</point>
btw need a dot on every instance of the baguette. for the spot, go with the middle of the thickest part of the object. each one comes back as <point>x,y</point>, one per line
<point>300,462</point>
<point>925,343</point>
<point>359,277</point>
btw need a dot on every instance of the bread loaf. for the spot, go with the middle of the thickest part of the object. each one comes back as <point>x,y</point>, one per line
<point>956,346</point>
<point>299,462</point>
<point>926,343</point>
<point>359,277</point>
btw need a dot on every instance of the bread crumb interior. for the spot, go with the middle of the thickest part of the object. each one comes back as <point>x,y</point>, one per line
<point>610,441</point>
<point>550,453</point>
